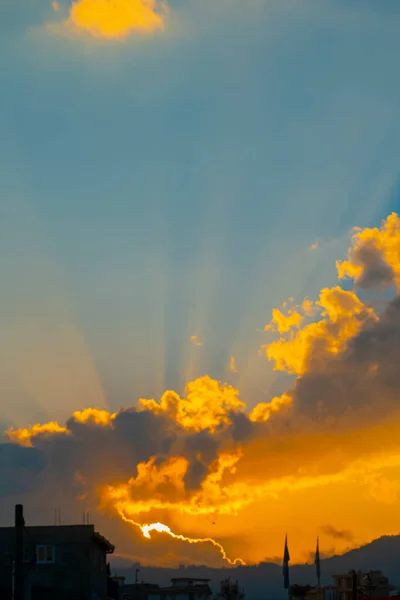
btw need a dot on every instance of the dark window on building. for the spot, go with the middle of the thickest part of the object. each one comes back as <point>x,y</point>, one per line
<point>45,554</point>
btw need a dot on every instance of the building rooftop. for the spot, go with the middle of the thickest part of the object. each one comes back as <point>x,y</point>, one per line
<point>63,533</point>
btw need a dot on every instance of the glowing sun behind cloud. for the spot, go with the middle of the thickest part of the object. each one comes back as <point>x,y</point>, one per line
<point>117,19</point>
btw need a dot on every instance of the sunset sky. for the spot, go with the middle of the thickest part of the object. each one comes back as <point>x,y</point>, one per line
<point>180,184</point>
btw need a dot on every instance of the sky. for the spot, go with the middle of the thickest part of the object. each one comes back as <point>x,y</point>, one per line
<point>171,174</point>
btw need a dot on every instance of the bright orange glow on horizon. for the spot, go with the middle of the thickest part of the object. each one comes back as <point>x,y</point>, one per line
<point>161,528</point>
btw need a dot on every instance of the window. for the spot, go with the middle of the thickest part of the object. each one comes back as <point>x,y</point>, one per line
<point>45,554</point>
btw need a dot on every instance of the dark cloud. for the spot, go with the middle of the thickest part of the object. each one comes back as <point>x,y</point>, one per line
<point>376,272</point>
<point>195,474</point>
<point>200,449</point>
<point>146,433</point>
<point>362,383</point>
<point>337,534</point>
<point>242,428</point>
<point>19,468</point>
<point>201,443</point>
<point>93,454</point>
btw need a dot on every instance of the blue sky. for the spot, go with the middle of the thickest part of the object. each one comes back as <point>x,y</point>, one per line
<point>171,185</point>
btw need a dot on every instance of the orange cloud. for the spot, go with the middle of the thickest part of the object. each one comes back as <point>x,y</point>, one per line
<point>343,315</point>
<point>24,436</point>
<point>162,487</point>
<point>263,410</point>
<point>117,19</point>
<point>318,464</point>
<point>300,467</point>
<point>95,415</point>
<point>284,323</point>
<point>373,260</point>
<point>207,404</point>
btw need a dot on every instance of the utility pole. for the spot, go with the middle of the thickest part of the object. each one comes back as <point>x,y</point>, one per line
<point>19,583</point>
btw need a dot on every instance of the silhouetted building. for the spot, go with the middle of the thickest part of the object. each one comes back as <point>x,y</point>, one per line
<point>325,592</point>
<point>300,592</point>
<point>349,586</point>
<point>61,562</point>
<point>137,591</point>
<point>308,592</point>
<point>353,585</point>
<point>114,588</point>
<point>182,588</point>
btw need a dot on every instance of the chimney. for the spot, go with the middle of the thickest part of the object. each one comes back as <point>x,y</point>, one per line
<point>19,553</point>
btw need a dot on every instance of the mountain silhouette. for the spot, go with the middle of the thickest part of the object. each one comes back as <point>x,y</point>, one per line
<point>265,580</point>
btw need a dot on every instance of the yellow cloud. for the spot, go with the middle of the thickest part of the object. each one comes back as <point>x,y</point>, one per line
<point>207,404</point>
<point>342,318</point>
<point>195,340</point>
<point>372,260</point>
<point>374,251</point>
<point>117,19</point>
<point>94,415</point>
<point>263,410</point>
<point>24,436</point>
<point>312,471</point>
<point>142,493</point>
<point>284,323</point>
<point>317,466</point>
<point>56,6</point>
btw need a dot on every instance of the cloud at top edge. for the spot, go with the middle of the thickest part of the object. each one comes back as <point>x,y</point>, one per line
<point>116,19</point>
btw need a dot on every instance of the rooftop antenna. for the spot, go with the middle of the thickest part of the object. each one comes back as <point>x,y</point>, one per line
<point>87,518</point>
<point>59,516</point>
